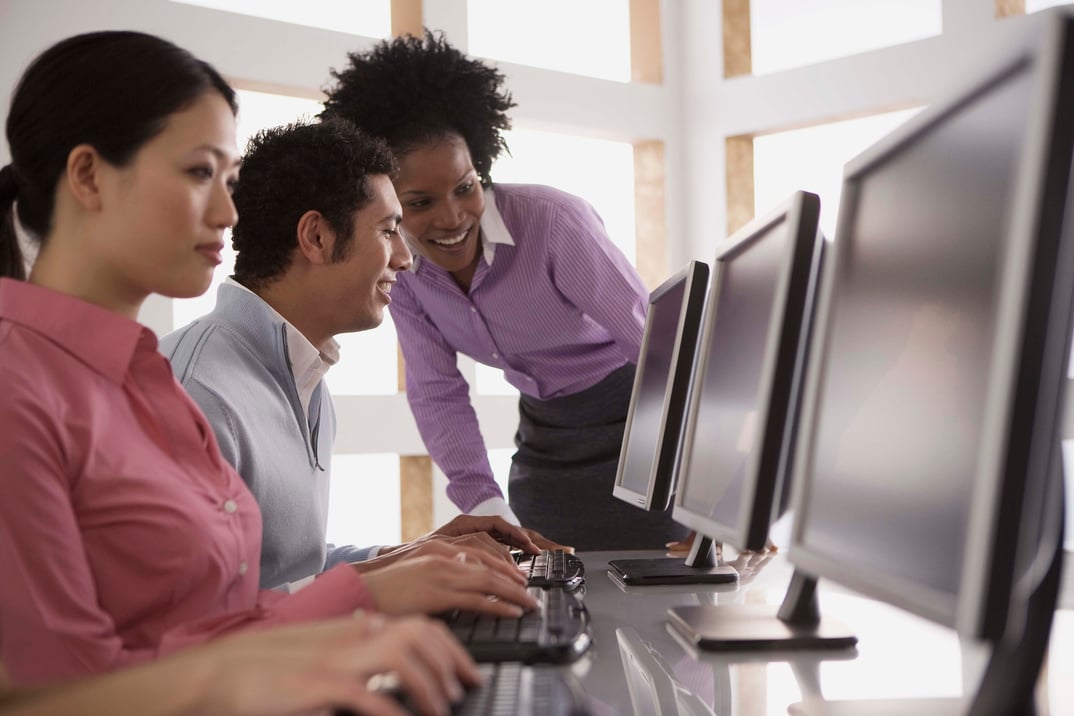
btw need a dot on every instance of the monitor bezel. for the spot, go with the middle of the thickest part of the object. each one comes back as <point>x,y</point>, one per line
<point>695,279</point>
<point>1007,426</point>
<point>780,371</point>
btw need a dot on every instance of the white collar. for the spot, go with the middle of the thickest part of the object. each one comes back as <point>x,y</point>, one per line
<point>308,364</point>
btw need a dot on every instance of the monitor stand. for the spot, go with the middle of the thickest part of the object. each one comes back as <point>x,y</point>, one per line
<point>1009,682</point>
<point>796,624</point>
<point>699,567</point>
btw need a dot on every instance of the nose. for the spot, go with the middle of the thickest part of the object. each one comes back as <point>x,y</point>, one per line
<point>222,212</point>
<point>449,214</point>
<point>401,258</point>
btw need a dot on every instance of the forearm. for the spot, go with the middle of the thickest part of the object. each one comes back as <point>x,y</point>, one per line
<point>170,688</point>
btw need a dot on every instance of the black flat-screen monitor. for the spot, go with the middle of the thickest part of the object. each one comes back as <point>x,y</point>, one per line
<point>747,382</point>
<point>744,388</point>
<point>928,474</point>
<point>653,435</point>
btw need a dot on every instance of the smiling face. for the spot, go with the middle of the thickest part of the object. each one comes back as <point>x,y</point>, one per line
<point>442,203</point>
<point>167,210</point>
<point>359,284</point>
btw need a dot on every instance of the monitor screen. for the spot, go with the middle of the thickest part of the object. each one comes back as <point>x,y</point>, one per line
<point>653,433</point>
<point>929,348</point>
<point>748,375</point>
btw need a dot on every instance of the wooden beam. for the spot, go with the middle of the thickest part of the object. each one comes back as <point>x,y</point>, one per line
<point>739,165</point>
<point>737,52</point>
<point>406,18</point>
<point>650,219</point>
<point>1009,8</point>
<point>646,56</point>
<point>416,496</point>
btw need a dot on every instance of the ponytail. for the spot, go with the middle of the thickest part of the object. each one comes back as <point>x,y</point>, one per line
<point>10,255</point>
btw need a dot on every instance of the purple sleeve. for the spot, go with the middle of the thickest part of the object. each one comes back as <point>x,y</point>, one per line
<point>596,277</point>
<point>439,398</point>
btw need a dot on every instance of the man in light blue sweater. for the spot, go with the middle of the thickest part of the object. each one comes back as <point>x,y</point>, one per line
<point>317,255</point>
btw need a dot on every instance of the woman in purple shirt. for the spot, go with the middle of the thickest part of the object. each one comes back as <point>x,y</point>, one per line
<point>519,277</point>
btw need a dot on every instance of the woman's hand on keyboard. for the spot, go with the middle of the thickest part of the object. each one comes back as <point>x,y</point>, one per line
<point>432,584</point>
<point>497,527</point>
<point>478,547</point>
<point>544,543</point>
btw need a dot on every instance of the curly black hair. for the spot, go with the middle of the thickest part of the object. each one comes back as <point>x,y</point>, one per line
<point>411,91</point>
<point>289,170</point>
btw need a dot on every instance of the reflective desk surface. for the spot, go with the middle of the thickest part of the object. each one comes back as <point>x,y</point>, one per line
<point>638,666</point>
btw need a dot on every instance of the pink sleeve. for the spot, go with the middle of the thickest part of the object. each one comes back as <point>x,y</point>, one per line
<point>338,592</point>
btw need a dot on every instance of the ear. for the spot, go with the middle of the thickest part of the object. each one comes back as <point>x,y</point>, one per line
<point>83,176</point>
<point>316,239</point>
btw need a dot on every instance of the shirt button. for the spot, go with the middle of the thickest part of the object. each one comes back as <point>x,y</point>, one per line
<point>230,506</point>
<point>496,355</point>
<point>242,568</point>
<point>473,309</point>
<point>529,379</point>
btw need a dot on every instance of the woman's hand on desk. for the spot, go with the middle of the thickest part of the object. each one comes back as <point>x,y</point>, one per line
<point>436,583</point>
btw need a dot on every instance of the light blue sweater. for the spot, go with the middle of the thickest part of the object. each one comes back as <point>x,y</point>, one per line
<point>234,364</point>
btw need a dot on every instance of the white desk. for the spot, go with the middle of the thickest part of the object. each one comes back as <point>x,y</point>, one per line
<point>898,656</point>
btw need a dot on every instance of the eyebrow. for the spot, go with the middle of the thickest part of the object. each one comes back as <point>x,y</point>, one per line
<point>394,216</point>
<point>219,153</point>
<point>464,177</point>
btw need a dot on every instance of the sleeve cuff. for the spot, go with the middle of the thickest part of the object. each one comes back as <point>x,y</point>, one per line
<point>496,507</point>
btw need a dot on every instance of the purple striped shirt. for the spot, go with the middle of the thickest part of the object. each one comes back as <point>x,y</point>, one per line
<point>557,308</point>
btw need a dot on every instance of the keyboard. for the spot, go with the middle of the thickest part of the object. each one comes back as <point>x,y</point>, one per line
<point>552,568</point>
<point>511,689</point>
<point>556,632</point>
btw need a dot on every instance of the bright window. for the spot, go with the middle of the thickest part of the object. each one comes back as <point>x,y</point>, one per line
<point>812,159</point>
<point>364,502</point>
<point>586,38</point>
<point>370,18</point>
<point>1038,5</point>
<point>792,33</point>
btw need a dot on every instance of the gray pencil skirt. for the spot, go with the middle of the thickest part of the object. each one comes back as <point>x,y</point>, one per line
<point>563,472</point>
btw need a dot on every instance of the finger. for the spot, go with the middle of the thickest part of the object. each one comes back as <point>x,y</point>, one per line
<point>545,543</point>
<point>501,563</point>
<point>363,701</point>
<point>483,541</point>
<point>464,666</point>
<point>509,593</point>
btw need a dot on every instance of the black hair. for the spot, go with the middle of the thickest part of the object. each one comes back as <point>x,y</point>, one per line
<point>412,91</point>
<point>286,171</point>
<point>111,90</point>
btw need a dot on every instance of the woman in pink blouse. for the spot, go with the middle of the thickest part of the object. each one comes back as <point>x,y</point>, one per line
<point>123,534</point>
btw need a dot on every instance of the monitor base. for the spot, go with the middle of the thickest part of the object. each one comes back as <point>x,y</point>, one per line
<point>755,628</point>
<point>669,570</point>
<point>879,707</point>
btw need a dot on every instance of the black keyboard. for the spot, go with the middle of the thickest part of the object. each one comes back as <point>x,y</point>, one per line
<point>511,689</point>
<point>552,568</point>
<point>556,632</point>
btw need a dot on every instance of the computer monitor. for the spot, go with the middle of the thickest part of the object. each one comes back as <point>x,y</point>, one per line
<point>745,387</point>
<point>928,474</point>
<point>653,435</point>
<point>744,406</point>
